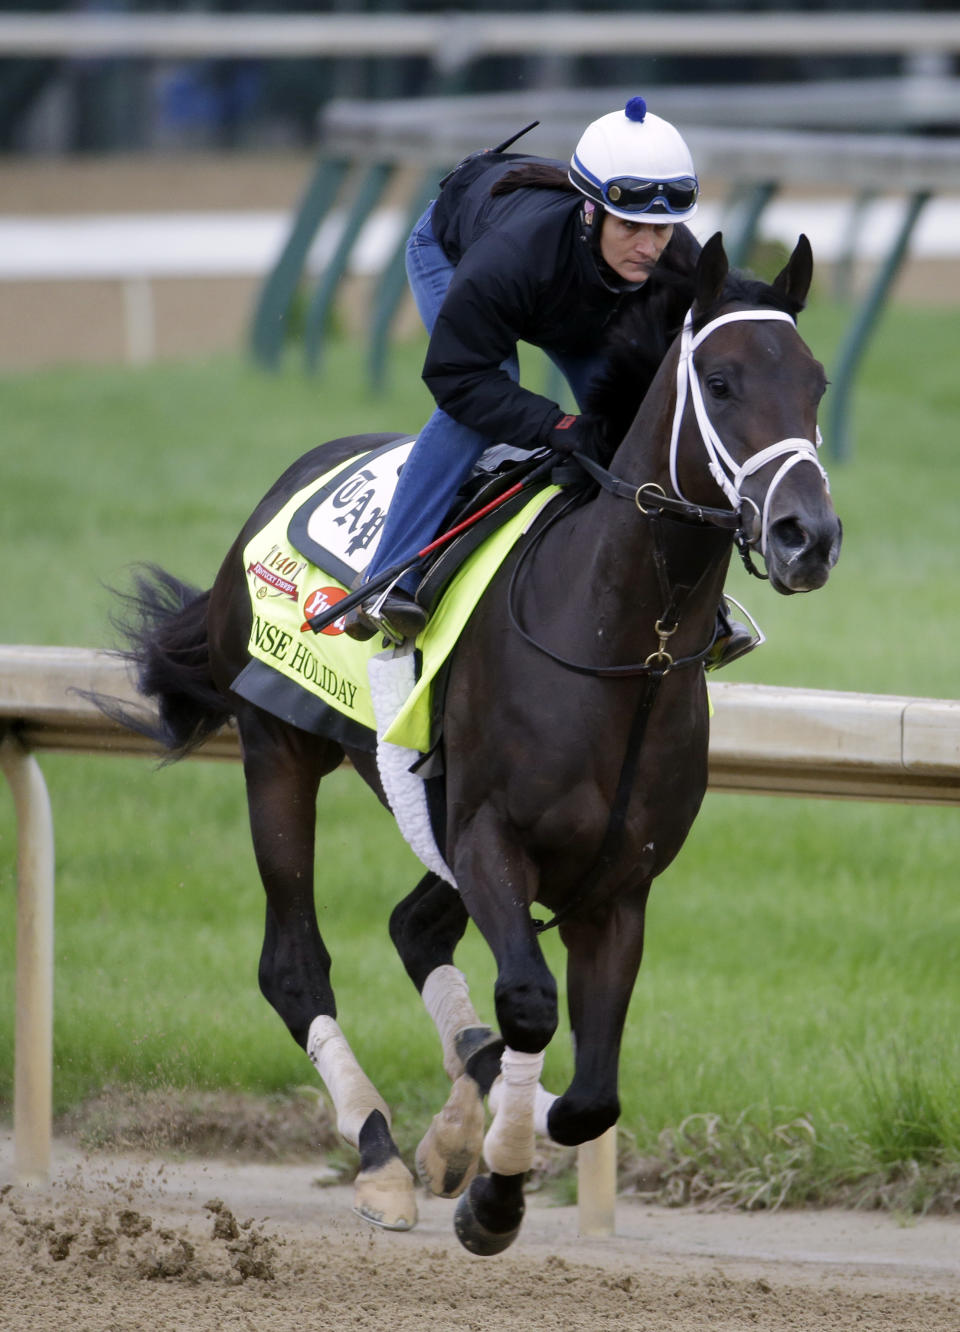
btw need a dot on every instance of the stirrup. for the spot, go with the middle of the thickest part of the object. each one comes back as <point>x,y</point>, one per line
<point>405,618</point>
<point>738,642</point>
<point>358,625</point>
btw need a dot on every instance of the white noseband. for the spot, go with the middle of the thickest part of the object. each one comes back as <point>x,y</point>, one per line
<point>728,474</point>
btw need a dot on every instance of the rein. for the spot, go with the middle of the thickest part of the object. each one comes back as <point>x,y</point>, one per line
<point>659,662</point>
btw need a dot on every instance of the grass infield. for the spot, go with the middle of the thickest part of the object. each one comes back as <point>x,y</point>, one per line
<point>794,1032</point>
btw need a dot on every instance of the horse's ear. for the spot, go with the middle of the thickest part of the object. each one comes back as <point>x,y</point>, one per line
<point>712,269</point>
<point>793,282</point>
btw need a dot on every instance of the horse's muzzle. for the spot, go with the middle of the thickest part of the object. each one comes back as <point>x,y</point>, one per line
<point>802,551</point>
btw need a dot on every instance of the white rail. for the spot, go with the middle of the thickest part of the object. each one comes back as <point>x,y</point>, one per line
<point>763,740</point>
<point>441,129</point>
<point>454,38</point>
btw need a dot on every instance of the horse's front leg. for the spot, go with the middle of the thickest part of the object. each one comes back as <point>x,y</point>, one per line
<point>604,951</point>
<point>283,768</point>
<point>426,928</point>
<point>498,881</point>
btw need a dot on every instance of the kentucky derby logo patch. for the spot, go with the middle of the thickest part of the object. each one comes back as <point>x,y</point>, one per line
<point>277,570</point>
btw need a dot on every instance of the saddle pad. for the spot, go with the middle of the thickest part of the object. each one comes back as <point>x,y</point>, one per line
<point>286,587</point>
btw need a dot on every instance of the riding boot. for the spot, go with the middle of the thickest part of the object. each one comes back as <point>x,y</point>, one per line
<point>733,640</point>
<point>399,617</point>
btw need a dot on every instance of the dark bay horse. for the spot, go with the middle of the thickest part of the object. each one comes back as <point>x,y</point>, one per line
<point>575,736</point>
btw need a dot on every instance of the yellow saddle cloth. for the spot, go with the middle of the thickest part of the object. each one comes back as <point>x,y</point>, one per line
<point>286,589</point>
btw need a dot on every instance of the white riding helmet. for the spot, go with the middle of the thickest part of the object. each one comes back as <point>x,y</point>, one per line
<point>636,166</point>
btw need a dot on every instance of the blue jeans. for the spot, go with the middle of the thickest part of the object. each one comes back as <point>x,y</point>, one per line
<point>446,451</point>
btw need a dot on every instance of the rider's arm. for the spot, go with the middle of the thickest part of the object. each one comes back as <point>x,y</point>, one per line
<point>490,306</point>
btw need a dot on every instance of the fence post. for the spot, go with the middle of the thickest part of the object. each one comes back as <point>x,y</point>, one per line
<point>393,283</point>
<point>863,324</point>
<point>597,1186</point>
<point>276,296</point>
<point>742,217</point>
<point>364,201</point>
<point>33,1057</point>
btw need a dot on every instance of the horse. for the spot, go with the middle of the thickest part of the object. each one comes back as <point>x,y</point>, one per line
<point>575,738</point>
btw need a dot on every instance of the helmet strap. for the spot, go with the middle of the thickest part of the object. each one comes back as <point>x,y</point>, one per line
<point>591,224</point>
<point>591,221</point>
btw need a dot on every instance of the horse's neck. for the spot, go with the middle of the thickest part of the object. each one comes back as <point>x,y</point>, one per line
<point>643,456</point>
<point>604,560</point>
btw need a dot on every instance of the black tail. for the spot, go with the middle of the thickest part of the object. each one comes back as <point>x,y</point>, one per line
<point>164,623</point>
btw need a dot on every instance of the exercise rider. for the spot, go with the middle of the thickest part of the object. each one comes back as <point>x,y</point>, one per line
<point>519,248</point>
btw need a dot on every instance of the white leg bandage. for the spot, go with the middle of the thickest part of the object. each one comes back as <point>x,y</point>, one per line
<point>542,1102</point>
<point>446,998</point>
<point>353,1094</point>
<point>508,1147</point>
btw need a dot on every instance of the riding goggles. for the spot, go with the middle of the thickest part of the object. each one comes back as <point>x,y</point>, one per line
<point>651,196</point>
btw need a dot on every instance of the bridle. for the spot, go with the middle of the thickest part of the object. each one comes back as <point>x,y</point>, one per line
<point>728,474</point>
<point>653,504</point>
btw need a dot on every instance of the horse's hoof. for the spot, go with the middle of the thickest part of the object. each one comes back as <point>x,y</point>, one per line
<point>474,1233</point>
<point>385,1196</point>
<point>449,1153</point>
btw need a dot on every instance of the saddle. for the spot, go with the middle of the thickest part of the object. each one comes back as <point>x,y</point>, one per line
<point>495,473</point>
<point>338,526</point>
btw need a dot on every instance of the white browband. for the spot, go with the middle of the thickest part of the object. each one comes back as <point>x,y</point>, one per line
<point>728,474</point>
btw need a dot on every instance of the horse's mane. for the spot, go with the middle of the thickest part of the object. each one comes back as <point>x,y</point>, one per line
<point>646,325</point>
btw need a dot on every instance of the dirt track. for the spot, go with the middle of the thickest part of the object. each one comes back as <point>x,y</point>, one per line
<point>123,1243</point>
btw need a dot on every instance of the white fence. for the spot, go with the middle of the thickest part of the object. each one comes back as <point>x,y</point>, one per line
<point>453,39</point>
<point>763,740</point>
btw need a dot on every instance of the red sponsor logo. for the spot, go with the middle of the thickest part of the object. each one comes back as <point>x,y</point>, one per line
<point>282,585</point>
<point>319,601</point>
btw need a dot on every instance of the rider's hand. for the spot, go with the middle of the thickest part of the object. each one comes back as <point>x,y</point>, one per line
<point>576,434</point>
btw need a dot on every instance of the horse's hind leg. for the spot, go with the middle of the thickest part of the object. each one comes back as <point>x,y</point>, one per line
<point>283,768</point>
<point>426,928</point>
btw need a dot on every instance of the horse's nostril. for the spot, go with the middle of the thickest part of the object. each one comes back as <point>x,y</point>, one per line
<point>789,535</point>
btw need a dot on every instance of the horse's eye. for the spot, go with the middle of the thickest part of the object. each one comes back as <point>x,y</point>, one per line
<point>718,386</point>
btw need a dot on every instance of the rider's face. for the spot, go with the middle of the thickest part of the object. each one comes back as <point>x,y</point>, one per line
<point>633,248</point>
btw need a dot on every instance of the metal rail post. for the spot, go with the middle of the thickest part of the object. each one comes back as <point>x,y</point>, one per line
<point>393,282</point>
<point>33,1057</point>
<point>368,193</point>
<point>742,216</point>
<point>863,325</point>
<point>843,269</point>
<point>276,296</point>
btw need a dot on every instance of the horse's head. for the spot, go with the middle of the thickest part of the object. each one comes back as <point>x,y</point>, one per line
<point>745,420</point>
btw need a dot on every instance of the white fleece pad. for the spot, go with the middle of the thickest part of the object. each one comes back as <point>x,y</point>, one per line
<point>392,676</point>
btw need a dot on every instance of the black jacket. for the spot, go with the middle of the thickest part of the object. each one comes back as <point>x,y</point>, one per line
<point>525,271</point>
